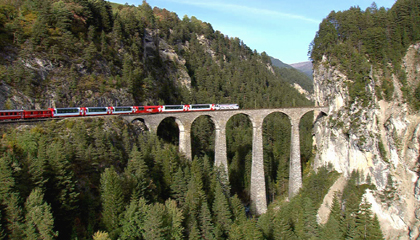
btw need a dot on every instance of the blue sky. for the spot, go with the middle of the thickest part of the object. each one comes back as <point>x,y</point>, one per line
<point>283,29</point>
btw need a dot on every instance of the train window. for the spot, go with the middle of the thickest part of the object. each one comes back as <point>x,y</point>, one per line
<point>67,110</point>
<point>122,109</point>
<point>174,107</point>
<point>96,109</point>
<point>199,106</point>
<point>141,108</point>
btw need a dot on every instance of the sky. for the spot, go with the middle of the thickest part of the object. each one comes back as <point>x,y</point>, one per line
<point>283,29</point>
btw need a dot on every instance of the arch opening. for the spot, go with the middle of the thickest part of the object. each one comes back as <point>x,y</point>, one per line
<point>140,124</point>
<point>203,138</point>
<point>276,147</point>
<point>239,155</point>
<point>306,126</point>
<point>168,131</point>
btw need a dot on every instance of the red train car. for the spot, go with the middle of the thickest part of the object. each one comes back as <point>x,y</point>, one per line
<point>37,113</point>
<point>11,114</point>
<point>149,109</point>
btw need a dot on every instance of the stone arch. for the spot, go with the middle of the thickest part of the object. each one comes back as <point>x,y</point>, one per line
<point>212,118</point>
<point>197,146</point>
<point>276,128</point>
<point>172,123</point>
<point>143,124</point>
<point>240,156</point>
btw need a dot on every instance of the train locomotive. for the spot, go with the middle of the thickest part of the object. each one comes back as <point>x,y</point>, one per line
<point>97,111</point>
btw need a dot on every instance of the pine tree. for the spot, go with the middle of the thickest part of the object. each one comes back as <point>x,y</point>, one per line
<point>175,219</point>
<point>37,164</point>
<point>39,221</point>
<point>238,209</point>
<point>155,226</point>
<point>112,200</point>
<point>179,187</point>
<point>221,212</point>
<point>13,214</point>
<point>136,172</point>
<point>195,232</point>
<point>367,226</point>
<point>375,232</point>
<point>193,197</point>
<point>282,230</point>
<point>363,218</point>
<point>6,178</point>
<point>332,229</point>
<point>132,222</point>
<point>251,230</point>
<point>61,187</point>
<point>206,224</point>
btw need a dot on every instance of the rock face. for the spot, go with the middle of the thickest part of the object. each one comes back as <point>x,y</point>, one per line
<point>380,140</point>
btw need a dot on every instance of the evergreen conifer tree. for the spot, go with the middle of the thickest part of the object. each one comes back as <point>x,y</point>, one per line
<point>13,214</point>
<point>195,232</point>
<point>251,230</point>
<point>333,229</point>
<point>175,219</point>
<point>206,224</point>
<point>137,171</point>
<point>132,222</point>
<point>221,212</point>
<point>237,209</point>
<point>39,221</point>
<point>112,200</point>
<point>6,178</point>
<point>179,187</point>
<point>155,225</point>
<point>282,230</point>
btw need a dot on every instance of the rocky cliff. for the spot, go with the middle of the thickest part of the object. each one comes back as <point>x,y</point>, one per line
<point>379,139</point>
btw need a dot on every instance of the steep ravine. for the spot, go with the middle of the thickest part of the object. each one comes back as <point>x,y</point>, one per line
<point>380,140</point>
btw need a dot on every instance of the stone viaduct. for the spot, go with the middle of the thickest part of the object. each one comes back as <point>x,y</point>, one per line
<point>220,119</point>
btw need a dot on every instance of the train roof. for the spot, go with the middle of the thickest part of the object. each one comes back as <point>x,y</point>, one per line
<point>11,110</point>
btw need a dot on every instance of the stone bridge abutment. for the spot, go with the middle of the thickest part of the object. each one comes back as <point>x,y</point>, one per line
<point>220,119</point>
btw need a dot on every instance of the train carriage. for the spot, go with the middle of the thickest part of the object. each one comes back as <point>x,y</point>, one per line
<point>46,113</point>
<point>11,114</point>
<point>149,109</point>
<point>124,110</point>
<point>67,112</point>
<point>92,111</point>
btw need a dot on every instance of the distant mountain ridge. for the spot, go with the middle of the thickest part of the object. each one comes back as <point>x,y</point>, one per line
<point>305,67</point>
<point>299,73</point>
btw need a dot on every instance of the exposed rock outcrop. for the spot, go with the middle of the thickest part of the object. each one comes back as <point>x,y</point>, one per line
<point>380,140</point>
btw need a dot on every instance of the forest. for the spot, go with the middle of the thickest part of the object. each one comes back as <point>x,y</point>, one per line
<point>107,179</point>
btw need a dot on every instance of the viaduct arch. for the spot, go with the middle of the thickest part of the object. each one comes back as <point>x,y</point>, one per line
<point>220,119</point>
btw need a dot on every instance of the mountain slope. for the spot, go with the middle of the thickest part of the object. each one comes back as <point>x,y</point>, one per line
<point>75,53</point>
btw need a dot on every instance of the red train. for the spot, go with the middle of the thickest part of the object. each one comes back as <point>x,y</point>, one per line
<point>95,111</point>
